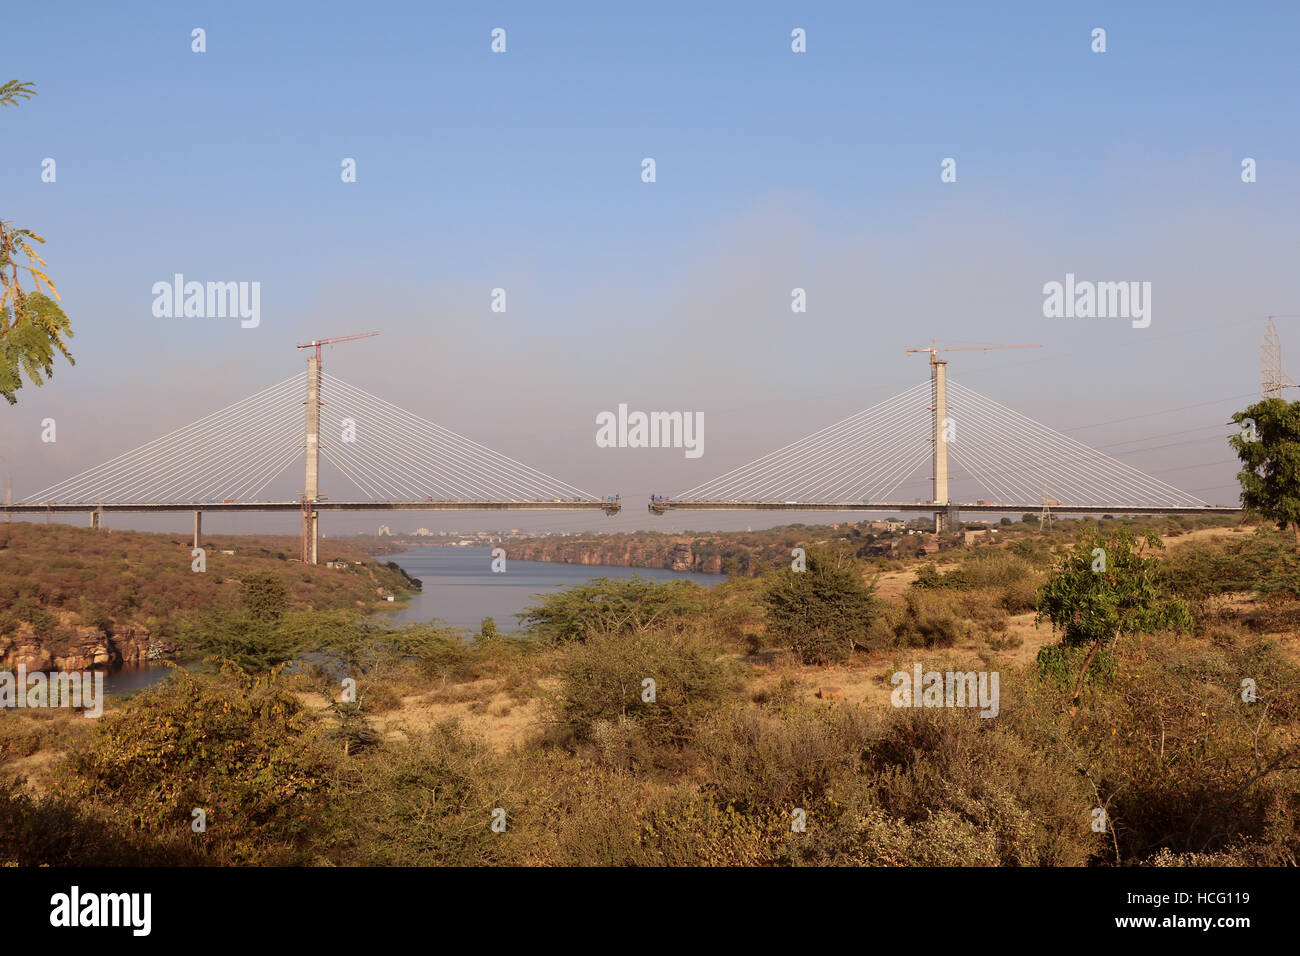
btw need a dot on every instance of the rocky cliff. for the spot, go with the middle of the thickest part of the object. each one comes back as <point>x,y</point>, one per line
<point>669,552</point>
<point>77,647</point>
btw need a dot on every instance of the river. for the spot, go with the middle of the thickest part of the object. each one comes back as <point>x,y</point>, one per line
<point>460,588</point>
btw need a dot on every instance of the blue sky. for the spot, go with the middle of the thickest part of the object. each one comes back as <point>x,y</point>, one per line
<point>774,170</point>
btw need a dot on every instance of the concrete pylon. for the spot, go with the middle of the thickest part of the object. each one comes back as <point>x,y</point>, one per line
<point>939,393</point>
<point>198,529</point>
<point>311,488</point>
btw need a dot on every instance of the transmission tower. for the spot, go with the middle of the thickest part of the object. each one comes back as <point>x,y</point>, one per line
<point>1045,518</point>
<point>1272,381</point>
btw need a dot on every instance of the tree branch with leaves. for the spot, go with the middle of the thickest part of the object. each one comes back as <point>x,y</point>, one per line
<point>33,326</point>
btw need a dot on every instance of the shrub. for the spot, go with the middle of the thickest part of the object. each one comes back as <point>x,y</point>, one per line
<point>824,611</point>
<point>427,801</point>
<point>763,761</point>
<point>236,746</point>
<point>605,605</point>
<point>1187,765</point>
<point>602,679</point>
<point>930,619</point>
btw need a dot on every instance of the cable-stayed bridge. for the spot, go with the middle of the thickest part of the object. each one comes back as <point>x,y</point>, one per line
<point>393,460</point>
<point>1011,462</point>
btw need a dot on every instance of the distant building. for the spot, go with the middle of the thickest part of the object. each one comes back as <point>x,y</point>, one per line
<point>383,531</point>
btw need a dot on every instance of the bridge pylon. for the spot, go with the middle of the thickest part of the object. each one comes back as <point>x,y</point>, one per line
<point>311,486</point>
<point>939,396</point>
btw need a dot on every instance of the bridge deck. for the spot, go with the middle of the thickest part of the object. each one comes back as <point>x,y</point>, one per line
<point>659,507</point>
<point>610,507</point>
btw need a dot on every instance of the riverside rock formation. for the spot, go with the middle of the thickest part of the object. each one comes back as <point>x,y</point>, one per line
<point>669,552</point>
<point>77,647</point>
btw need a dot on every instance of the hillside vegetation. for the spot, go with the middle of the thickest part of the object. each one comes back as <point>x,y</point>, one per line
<point>58,583</point>
<point>750,724</point>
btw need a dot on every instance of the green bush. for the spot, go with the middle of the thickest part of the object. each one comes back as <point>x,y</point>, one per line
<point>931,619</point>
<point>603,687</point>
<point>764,761</point>
<point>608,605</point>
<point>426,801</point>
<point>238,747</point>
<point>824,611</point>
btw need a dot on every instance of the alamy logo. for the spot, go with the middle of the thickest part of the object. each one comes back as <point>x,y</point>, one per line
<point>58,689</point>
<point>134,910</point>
<point>1098,300</point>
<point>626,429</point>
<point>210,300</point>
<point>950,689</point>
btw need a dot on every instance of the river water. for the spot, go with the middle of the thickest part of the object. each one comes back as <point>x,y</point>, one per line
<point>460,590</point>
<point>460,587</point>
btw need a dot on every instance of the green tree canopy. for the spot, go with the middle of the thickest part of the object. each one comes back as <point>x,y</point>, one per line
<point>1105,586</point>
<point>1269,448</point>
<point>823,610</point>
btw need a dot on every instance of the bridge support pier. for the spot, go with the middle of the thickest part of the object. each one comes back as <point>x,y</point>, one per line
<point>310,533</point>
<point>198,529</point>
<point>94,520</point>
<point>946,520</point>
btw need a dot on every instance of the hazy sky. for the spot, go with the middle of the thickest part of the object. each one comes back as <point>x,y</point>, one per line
<point>775,170</point>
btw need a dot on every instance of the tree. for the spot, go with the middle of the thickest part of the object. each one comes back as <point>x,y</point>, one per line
<point>822,610</point>
<point>254,638</point>
<point>1105,586</point>
<point>265,597</point>
<point>617,605</point>
<point>33,326</point>
<point>1269,448</point>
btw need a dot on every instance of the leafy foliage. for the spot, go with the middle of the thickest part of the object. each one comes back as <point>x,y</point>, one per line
<point>118,579</point>
<point>251,637</point>
<point>33,327</point>
<point>14,90</point>
<point>1270,458</point>
<point>607,605</point>
<point>603,683</point>
<point>1266,563</point>
<point>822,611</point>
<point>1107,585</point>
<point>236,746</point>
<point>1094,606</point>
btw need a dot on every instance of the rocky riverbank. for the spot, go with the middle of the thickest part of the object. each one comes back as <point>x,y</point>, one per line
<point>702,555</point>
<point>78,647</point>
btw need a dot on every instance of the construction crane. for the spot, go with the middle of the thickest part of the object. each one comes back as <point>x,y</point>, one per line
<point>966,348</point>
<point>943,514</point>
<point>311,487</point>
<point>317,343</point>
